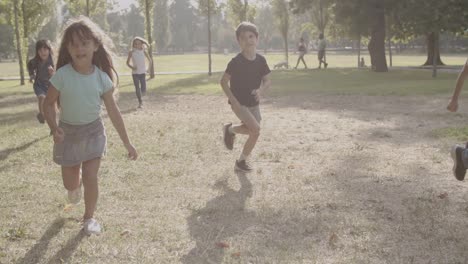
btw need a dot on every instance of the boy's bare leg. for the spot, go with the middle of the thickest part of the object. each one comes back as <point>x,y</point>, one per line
<point>250,127</point>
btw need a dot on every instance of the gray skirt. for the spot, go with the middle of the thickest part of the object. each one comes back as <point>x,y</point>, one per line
<point>81,143</point>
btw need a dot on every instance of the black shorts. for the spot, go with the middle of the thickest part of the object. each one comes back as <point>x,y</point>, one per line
<point>321,54</point>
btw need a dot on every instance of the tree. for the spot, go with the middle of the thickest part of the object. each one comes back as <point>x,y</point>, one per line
<point>18,39</point>
<point>263,21</point>
<point>281,12</point>
<point>208,8</point>
<point>148,6</point>
<point>429,18</point>
<point>96,10</point>
<point>183,24</point>
<point>27,17</point>
<point>377,32</point>
<point>161,24</point>
<point>239,11</point>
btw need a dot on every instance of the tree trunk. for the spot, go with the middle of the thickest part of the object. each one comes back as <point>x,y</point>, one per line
<point>18,41</point>
<point>286,50</point>
<point>433,51</point>
<point>150,40</point>
<point>377,42</point>
<point>209,37</point>
<point>87,8</point>
<point>390,51</point>
<point>359,52</point>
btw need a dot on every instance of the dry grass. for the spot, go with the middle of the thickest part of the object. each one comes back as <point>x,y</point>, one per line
<point>338,179</point>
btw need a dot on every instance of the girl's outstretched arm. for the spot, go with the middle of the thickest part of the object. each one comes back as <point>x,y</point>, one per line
<point>116,118</point>
<point>453,105</point>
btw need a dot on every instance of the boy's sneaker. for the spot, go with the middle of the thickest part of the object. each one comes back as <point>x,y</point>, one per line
<point>40,118</point>
<point>74,196</point>
<point>459,169</point>
<point>326,65</point>
<point>228,136</point>
<point>140,105</point>
<point>242,165</point>
<point>91,227</point>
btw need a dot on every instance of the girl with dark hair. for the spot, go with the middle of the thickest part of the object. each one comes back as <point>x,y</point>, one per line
<point>40,68</point>
<point>85,76</point>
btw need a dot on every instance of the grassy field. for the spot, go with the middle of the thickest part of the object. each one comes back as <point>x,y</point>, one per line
<point>351,167</point>
<point>199,62</point>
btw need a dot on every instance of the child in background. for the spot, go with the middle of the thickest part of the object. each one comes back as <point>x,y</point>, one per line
<point>85,76</point>
<point>137,56</point>
<point>459,153</point>
<point>40,69</point>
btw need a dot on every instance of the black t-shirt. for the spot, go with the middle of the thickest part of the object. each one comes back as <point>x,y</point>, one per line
<point>246,76</point>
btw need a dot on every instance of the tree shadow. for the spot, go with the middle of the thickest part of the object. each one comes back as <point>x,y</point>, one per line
<point>223,217</point>
<point>5,153</point>
<point>39,249</point>
<point>20,117</point>
<point>17,101</point>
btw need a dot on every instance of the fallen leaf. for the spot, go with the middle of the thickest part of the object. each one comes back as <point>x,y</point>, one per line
<point>125,232</point>
<point>236,254</point>
<point>222,245</point>
<point>442,195</point>
<point>68,208</point>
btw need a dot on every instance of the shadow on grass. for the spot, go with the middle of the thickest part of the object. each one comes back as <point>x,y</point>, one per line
<point>177,86</point>
<point>67,251</point>
<point>7,152</point>
<point>223,217</point>
<point>17,102</point>
<point>35,254</point>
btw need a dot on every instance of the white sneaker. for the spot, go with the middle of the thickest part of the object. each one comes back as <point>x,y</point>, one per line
<point>74,196</point>
<point>91,226</point>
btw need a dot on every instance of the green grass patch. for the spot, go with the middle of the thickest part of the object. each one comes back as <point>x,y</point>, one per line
<point>456,133</point>
<point>287,82</point>
<point>199,62</point>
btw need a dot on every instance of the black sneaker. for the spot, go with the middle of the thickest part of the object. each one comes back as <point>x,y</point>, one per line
<point>459,169</point>
<point>228,136</point>
<point>243,166</point>
<point>40,118</point>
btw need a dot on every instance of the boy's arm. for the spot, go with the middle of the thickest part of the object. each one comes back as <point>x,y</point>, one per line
<point>264,87</point>
<point>453,105</point>
<point>128,60</point>
<point>227,89</point>
<point>116,118</point>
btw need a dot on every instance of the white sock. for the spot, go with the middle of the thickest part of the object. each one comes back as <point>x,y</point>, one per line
<point>231,130</point>
<point>243,157</point>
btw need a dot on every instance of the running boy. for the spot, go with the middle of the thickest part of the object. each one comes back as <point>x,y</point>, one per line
<point>459,153</point>
<point>245,80</point>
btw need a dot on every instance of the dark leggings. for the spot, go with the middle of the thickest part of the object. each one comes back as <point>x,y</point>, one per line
<point>137,80</point>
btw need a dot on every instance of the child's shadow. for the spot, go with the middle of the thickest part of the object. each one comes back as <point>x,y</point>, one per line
<point>37,252</point>
<point>223,217</point>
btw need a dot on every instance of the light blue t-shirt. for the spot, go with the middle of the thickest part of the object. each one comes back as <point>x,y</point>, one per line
<point>80,94</point>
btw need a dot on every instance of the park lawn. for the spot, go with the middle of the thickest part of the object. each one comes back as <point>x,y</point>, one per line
<point>166,204</point>
<point>199,62</point>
